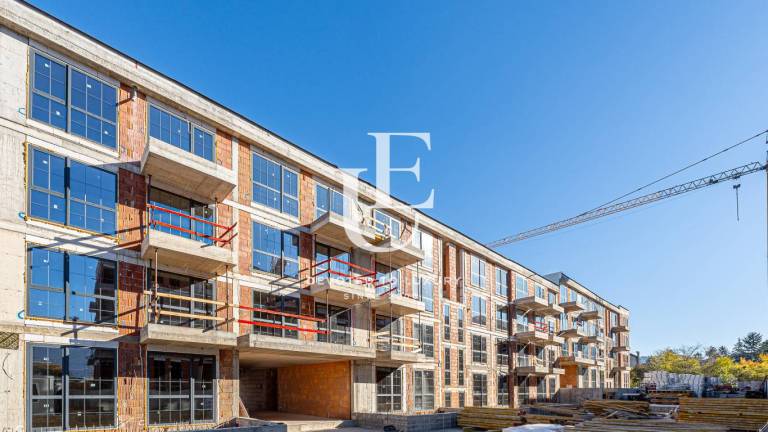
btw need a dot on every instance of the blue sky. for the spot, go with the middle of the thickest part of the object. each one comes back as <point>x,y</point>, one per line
<point>537,111</point>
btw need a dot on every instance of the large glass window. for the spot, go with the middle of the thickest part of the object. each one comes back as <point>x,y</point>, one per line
<point>521,287</point>
<point>90,102</point>
<point>340,319</point>
<point>479,312</point>
<point>502,288</point>
<point>181,388</point>
<point>385,326</point>
<point>174,311</point>
<point>477,271</point>
<point>502,317</point>
<point>327,198</point>
<point>387,279</point>
<point>447,365</point>
<point>181,133</point>
<point>386,224</point>
<point>479,349</point>
<point>331,263</point>
<point>447,322</point>
<point>275,186</point>
<point>425,334</point>
<point>423,390</point>
<point>72,388</point>
<point>424,290</point>
<point>479,390</point>
<point>425,242</point>
<point>275,251</point>
<point>389,389</point>
<point>272,324</point>
<point>460,319</point>
<point>68,192</point>
<point>502,390</point>
<point>502,353</point>
<point>91,286</point>
<point>460,367</point>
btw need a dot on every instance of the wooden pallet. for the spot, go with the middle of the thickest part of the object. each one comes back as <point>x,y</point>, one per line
<point>737,414</point>
<point>667,397</point>
<point>489,418</point>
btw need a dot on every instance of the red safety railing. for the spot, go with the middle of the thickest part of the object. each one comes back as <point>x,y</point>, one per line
<point>366,277</point>
<point>222,234</point>
<point>541,326</point>
<point>281,314</point>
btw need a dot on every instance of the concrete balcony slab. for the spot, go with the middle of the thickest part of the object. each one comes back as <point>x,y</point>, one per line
<point>538,370</point>
<point>394,357</point>
<point>620,327</point>
<point>342,291</point>
<point>572,333</point>
<point>572,306</point>
<point>175,335</point>
<point>184,253</point>
<point>589,315</point>
<point>340,230</point>
<point>576,360</point>
<point>272,351</point>
<point>186,172</point>
<point>399,253</point>
<point>397,305</point>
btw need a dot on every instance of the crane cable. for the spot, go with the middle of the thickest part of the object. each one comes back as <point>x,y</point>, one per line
<point>744,141</point>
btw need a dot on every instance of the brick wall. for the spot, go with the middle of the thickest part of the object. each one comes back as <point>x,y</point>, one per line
<point>132,127</point>
<point>450,272</point>
<point>223,150</point>
<point>258,389</point>
<point>306,198</point>
<point>226,385</point>
<point>244,222</point>
<point>321,389</point>
<point>131,396</point>
<point>131,203</point>
<point>131,285</point>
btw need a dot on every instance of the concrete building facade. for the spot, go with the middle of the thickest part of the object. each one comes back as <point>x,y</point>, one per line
<point>169,264</point>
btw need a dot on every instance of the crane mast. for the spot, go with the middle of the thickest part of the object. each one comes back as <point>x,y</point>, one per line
<point>603,211</point>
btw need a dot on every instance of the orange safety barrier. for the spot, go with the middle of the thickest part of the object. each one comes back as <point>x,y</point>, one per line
<point>281,326</point>
<point>366,277</point>
<point>219,240</point>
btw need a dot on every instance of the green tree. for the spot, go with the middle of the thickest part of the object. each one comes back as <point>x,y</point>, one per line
<point>723,368</point>
<point>748,348</point>
<point>671,361</point>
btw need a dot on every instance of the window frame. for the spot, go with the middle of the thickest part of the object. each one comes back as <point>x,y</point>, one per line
<point>191,124</point>
<point>502,317</point>
<point>282,257</point>
<point>480,353</point>
<point>520,283</point>
<point>191,394</point>
<point>420,334</point>
<point>479,389</point>
<point>501,282</point>
<point>502,391</point>
<point>65,397</point>
<point>394,397</point>
<point>281,190</point>
<point>447,365</point>
<point>480,319</point>
<point>478,273</point>
<point>67,290</point>
<point>69,66</point>
<point>418,285</point>
<point>422,381</point>
<point>67,195</point>
<point>391,222</point>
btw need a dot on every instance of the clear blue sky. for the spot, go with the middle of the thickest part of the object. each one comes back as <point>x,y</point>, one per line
<point>537,110</point>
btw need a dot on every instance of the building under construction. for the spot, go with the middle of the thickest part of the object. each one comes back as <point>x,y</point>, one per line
<point>170,264</point>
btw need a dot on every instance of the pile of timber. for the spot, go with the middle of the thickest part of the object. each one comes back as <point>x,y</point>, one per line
<point>737,414</point>
<point>667,397</point>
<point>500,418</point>
<point>489,418</point>
<point>608,406</point>
<point>667,425</point>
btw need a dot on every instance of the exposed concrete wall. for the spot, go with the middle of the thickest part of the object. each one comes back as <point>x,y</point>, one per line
<point>13,69</point>
<point>322,389</point>
<point>12,388</point>
<point>364,387</point>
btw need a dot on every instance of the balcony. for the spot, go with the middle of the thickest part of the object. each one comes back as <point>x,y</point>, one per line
<point>392,349</point>
<point>620,326</point>
<point>531,365</point>
<point>273,342</point>
<point>186,321</point>
<point>537,304</point>
<point>398,253</point>
<point>556,370</point>
<point>392,303</point>
<point>537,334</point>
<point>576,359</point>
<point>591,339</point>
<point>620,348</point>
<point>342,282</point>
<point>572,306</point>
<point>187,242</point>
<point>187,173</point>
<point>589,315</point>
<point>343,230</point>
<point>572,333</point>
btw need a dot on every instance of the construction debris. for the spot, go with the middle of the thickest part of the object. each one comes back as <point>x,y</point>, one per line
<point>737,414</point>
<point>489,418</point>
<point>667,397</point>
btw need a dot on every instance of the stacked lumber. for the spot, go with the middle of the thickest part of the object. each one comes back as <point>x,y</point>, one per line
<point>667,397</point>
<point>667,425</point>
<point>738,414</point>
<point>607,406</point>
<point>489,418</point>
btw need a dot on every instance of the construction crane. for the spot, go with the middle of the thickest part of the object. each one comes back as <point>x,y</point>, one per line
<point>731,174</point>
